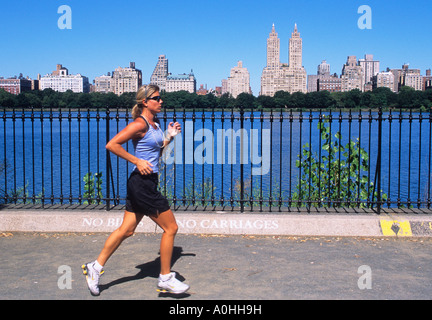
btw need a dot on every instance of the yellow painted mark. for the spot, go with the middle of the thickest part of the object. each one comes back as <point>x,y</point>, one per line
<point>396,228</point>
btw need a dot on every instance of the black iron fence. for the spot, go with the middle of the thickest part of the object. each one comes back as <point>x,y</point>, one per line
<point>237,159</point>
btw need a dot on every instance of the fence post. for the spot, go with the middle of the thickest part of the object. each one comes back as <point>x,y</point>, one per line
<point>380,120</point>
<point>241,159</point>
<point>108,162</point>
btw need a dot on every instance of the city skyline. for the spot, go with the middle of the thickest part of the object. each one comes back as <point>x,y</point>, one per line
<point>207,38</point>
<point>278,75</point>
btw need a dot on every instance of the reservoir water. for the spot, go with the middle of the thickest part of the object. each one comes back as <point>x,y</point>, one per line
<point>49,153</point>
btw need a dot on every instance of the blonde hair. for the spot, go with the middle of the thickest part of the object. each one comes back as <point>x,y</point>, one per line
<point>143,93</point>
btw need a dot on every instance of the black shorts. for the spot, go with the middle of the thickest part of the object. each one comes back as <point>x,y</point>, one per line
<point>143,196</point>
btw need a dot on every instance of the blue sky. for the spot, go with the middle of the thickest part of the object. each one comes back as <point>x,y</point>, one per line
<point>208,36</point>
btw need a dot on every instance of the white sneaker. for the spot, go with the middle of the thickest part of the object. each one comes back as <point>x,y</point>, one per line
<point>172,285</point>
<point>92,277</point>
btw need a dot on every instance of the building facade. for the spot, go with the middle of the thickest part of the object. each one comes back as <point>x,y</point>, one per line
<point>181,82</point>
<point>370,69</point>
<point>427,80</point>
<point>15,85</point>
<point>414,81</point>
<point>126,79</point>
<point>103,84</point>
<point>238,81</point>
<point>121,80</point>
<point>384,79</point>
<point>160,73</point>
<point>295,72</point>
<point>278,76</point>
<point>323,80</point>
<point>352,75</point>
<point>202,91</point>
<point>331,84</point>
<point>169,82</point>
<point>60,80</point>
<point>407,77</point>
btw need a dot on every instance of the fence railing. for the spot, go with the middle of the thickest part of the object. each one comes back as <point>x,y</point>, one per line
<point>237,159</point>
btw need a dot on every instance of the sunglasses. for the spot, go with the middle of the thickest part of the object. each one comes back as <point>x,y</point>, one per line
<point>156,98</point>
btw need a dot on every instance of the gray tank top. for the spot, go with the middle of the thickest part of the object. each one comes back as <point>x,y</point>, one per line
<point>149,147</point>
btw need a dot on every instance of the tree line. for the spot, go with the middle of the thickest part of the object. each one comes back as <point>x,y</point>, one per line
<point>407,98</point>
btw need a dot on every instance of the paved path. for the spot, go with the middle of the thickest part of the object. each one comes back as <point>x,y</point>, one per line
<point>219,267</point>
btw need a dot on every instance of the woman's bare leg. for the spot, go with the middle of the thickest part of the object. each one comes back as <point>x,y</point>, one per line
<point>127,229</point>
<point>167,222</point>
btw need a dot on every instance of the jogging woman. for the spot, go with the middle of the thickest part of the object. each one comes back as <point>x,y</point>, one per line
<point>143,198</point>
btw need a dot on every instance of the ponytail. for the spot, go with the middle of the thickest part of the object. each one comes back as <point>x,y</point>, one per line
<point>137,110</point>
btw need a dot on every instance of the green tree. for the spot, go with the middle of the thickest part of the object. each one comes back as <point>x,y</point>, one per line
<point>245,100</point>
<point>50,99</point>
<point>352,99</point>
<point>298,100</point>
<point>33,99</point>
<point>319,100</point>
<point>338,177</point>
<point>385,97</point>
<point>6,99</point>
<point>111,100</point>
<point>266,101</point>
<point>83,100</point>
<point>226,101</point>
<point>282,99</point>
<point>97,100</point>
<point>22,101</point>
<point>127,99</point>
<point>92,188</point>
<point>68,99</point>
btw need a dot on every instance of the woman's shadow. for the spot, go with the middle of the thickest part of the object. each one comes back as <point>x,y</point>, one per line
<point>152,269</point>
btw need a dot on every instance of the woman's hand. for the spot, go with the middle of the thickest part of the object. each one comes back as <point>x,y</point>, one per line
<point>144,167</point>
<point>173,130</point>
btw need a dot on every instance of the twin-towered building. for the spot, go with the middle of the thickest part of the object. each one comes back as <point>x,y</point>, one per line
<point>278,76</point>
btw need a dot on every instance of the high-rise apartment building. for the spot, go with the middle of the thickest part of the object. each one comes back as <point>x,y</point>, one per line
<point>238,81</point>
<point>323,77</point>
<point>60,80</point>
<point>126,79</point>
<point>103,84</point>
<point>160,72</point>
<point>295,50</point>
<point>278,76</point>
<point>273,50</point>
<point>414,81</point>
<point>295,71</point>
<point>370,68</point>
<point>120,81</point>
<point>323,69</point>
<point>170,83</point>
<point>352,75</point>
<point>407,77</point>
<point>224,87</point>
<point>427,80</point>
<point>15,85</point>
<point>384,79</point>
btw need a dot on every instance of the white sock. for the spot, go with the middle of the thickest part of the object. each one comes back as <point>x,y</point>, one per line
<point>165,277</point>
<point>97,266</point>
